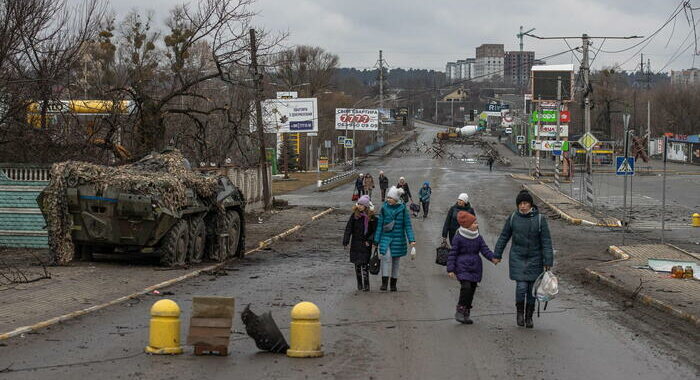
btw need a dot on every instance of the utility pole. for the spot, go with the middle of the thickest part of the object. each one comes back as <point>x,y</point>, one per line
<point>557,159</point>
<point>538,173</point>
<point>585,71</point>
<point>585,74</point>
<point>520,56</point>
<point>381,80</point>
<point>626,120</point>
<point>257,79</point>
<point>381,92</point>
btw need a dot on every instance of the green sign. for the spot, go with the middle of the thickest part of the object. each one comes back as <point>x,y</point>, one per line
<point>546,116</point>
<point>271,156</point>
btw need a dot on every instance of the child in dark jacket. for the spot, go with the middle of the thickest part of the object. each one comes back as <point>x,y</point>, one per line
<point>359,232</point>
<point>464,263</point>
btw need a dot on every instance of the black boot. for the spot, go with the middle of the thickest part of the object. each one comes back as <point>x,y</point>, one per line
<point>529,310</point>
<point>358,274</point>
<point>385,282</point>
<point>393,285</point>
<point>467,320</point>
<point>520,313</point>
<point>365,278</point>
<point>459,314</point>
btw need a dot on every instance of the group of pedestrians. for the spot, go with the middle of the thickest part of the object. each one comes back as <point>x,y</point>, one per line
<point>364,184</point>
<point>389,230</point>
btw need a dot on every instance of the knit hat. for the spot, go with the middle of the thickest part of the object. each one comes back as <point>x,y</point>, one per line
<point>465,219</point>
<point>364,201</point>
<point>463,197</point>
<point>426,183</point>
<point>361,175</point>
<point>524,196</point>
<point>394,193</point>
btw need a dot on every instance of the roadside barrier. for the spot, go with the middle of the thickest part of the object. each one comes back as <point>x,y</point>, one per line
<point>340,179</point>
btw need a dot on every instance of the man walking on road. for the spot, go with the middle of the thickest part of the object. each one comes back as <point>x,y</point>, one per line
<point>359,185</point>
<point>490,162</point>
<point>383,184</point>
<point>530,253</point>
<point>424,195</point>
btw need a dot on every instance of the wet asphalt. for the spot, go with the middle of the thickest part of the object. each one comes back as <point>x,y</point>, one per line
<point>410,334</point>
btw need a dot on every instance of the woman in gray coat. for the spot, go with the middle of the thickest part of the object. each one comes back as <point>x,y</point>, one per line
<point>530,253</point>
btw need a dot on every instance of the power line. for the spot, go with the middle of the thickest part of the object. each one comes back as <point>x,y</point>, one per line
<point>676,11</point>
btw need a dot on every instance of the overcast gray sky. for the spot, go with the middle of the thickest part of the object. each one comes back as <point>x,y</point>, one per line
<point>427,34</point>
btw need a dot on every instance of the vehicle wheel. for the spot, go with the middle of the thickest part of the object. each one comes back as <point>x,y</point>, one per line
<point>82,252</point>
<point>234,232</point>
<point>173,250</point>
<point>198,241</point>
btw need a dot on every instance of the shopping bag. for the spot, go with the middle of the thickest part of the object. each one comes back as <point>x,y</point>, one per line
<point>414,208</point>
<point>545,287</point>
<point>441,254</point>
<point>413,253</point>
<point>374,262</point>
<point>355,196</point>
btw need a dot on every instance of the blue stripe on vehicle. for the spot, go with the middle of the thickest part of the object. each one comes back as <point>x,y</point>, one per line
<point>95,198</point>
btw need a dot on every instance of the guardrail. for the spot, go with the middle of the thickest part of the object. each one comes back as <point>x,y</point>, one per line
<point>329,183</point>
<point>25,172</point>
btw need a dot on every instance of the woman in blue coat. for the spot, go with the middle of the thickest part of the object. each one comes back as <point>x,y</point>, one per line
<point>393,229</point>
<point>530,253</point>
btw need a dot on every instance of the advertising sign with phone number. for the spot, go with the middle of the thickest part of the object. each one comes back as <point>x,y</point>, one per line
<point>357,119</point>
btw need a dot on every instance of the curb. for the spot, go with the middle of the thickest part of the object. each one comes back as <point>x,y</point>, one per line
<point>647,300</point>
<point>75,314</point>
<point>569,218</point>
<point>563,215</point>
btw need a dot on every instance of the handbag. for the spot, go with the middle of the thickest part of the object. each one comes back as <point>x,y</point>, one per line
<point>441,254</point>
<point>355,196</point>
<point>414,207</point>
<point>374,262</point>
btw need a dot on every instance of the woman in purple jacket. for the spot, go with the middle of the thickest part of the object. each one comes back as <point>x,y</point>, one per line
<point>464,263</point>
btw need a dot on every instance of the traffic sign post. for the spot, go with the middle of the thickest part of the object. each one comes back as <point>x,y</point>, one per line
<point>624,166</point>
<point>349,143</point>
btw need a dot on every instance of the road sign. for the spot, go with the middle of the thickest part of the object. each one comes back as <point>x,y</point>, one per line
<point>625,166</point>
<point>327,144</point>
<point>357,119</point>
<point>312,134</point>
<point>520,140</point>
<point>349,143</point>
<point>496,107</point>
<point>323,163</point>
<point>588,141</point>
<point>341,140</point>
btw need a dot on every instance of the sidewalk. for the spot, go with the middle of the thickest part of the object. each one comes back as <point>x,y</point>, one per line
<point>76,288</point>
<point>568,208</point>
<point>629,275</point>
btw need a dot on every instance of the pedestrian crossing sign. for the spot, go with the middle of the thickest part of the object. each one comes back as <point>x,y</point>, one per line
<point>625,166</point>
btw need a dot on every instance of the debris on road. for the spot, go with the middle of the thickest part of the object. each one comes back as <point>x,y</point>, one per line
<point>264,331</point>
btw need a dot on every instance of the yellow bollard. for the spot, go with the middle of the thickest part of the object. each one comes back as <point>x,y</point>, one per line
<point>164,334</point>
<point>305,331</point>
<point>696,220</point>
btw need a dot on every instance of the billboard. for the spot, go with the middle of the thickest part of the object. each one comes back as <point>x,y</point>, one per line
<point>551,130</point>
<point>357,119</point>
<point>289,115</point>
<point>544,82</point>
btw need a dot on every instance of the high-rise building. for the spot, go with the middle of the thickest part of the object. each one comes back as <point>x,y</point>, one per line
<point>461,70</point>
<point>685,77</point>
<point>517,67</point>
<point>489,62</point>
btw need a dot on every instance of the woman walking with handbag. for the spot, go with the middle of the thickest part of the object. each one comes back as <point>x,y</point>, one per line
<point>393,229</point>
<point>451,225</point>
<point>530,253</point>
<point>358,233</point>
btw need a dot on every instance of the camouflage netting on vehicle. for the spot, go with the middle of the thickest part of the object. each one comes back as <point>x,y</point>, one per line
<point>164,177</point>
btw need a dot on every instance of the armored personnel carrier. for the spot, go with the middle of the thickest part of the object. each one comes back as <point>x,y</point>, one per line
<point>157,205</point>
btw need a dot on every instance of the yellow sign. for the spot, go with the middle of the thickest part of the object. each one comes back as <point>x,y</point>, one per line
<point>323,163</point>
<point>588,141</point>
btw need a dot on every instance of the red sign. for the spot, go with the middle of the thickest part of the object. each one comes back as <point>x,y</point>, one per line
<point>565,116</point>
<point>357,118</point>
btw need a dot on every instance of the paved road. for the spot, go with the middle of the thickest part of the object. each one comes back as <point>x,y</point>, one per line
<point>409,334</point>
